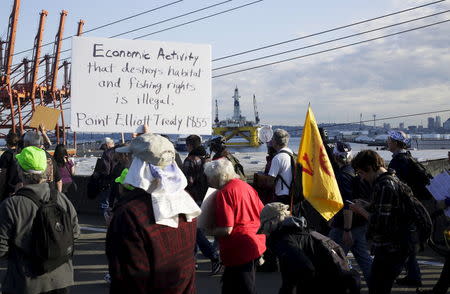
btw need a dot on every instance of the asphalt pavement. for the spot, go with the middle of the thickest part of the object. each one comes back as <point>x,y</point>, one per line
<point>91,266</point>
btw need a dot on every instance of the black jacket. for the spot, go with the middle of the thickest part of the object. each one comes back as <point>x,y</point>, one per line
<point>303,268</point>
<point>193,170</point>
<point>412,173</point>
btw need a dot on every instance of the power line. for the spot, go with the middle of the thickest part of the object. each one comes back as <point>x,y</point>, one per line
<point>169,19</point>
<point>385,118</point>
<point>328,31</point>
<point>191,12</point>
<point>199,19</point>
<point>108,24</point>
<point>240,53</point>
<point>330,41</point>
<point>331,49</point>
<point>132,16</point>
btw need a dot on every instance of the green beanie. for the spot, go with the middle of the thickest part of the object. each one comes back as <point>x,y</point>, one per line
<point>32,159</point>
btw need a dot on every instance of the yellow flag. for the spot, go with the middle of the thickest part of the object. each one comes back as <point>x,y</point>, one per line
<point>319,183</point>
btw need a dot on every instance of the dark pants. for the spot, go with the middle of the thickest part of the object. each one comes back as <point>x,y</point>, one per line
<point>239,279</point>
<point>386,266</point>
<point>285,199</point>
<point>443,283</point>
<point>412,268</point>
<point>57,291</point>
<point>65,187</point>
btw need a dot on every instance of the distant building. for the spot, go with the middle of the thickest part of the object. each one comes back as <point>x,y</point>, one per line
<point>438,122</point>
<point>412,129</point>
<point>387,126</point>
<point>431,123</point>
<point>401,126</point>
<point>420,128</point>
<point>447,124</point>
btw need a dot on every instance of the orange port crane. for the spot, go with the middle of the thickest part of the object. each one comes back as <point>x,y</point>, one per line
<point>21,93</point>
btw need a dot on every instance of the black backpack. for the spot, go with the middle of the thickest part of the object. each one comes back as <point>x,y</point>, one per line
<point>52,242</point>
<point>419,178</point>
<point>332,256</point>
<point>238,168</point>
<point>415,213</point>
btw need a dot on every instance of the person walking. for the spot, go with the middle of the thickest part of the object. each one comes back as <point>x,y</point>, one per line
<point>17,215</point>
<point>401,163</point>
<point>349,229</point>
<point>65,166</point>
<point>217,145</point>
<point>8,167</point>
<point>389,230</point>
<point>281,169</point>
<point>105,168</point>
<point>237,213</point>
<point>32,138</point>
<point>306,265</point>
<point>152,233</point>
<point>193,169</point>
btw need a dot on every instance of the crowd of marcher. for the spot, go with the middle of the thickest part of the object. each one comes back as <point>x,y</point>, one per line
<point>151,203</point>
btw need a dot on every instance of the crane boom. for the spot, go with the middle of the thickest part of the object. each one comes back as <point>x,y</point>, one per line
<point>256,110</point>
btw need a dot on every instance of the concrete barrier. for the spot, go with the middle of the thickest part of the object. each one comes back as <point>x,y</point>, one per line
<point>437,166</point>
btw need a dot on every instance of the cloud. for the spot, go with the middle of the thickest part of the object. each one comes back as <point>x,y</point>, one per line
<point>399,75</point>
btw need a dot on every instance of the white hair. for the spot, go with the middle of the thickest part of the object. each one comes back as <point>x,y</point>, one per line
<point>32,138</point>
<point>220,171</point>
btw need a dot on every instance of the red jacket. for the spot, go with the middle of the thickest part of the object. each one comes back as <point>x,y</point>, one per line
<point>145,257</point>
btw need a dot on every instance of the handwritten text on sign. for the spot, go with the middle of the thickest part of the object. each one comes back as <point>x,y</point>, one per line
<point>118,85</point>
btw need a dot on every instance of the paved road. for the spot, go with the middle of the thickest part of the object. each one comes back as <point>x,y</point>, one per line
<point>91,265</point>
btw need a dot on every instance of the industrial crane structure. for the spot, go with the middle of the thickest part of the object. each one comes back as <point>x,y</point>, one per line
<point>21,89</point>
<point>237,130</point>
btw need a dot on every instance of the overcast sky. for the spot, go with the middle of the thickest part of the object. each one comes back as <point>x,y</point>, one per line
<point>404,74</point>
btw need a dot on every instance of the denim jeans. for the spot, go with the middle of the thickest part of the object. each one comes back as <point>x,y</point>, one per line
<point>359,248</point>
<point>208,249</point>
<point>104,200</point>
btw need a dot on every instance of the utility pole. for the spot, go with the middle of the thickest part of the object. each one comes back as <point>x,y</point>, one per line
<point>374,120</point>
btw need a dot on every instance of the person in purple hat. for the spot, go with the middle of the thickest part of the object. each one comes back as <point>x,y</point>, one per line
<point>409,171</point>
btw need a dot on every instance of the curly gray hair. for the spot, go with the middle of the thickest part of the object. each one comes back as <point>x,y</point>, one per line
<point>220,171</point>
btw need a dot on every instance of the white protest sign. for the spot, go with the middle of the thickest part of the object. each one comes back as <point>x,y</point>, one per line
<point>118,85</point>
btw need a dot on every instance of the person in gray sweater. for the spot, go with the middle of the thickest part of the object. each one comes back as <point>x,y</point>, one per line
<point>16,220</point>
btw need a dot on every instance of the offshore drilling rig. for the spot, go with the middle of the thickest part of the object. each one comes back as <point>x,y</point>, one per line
<point>237,130</point>
<point>21,87</point>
